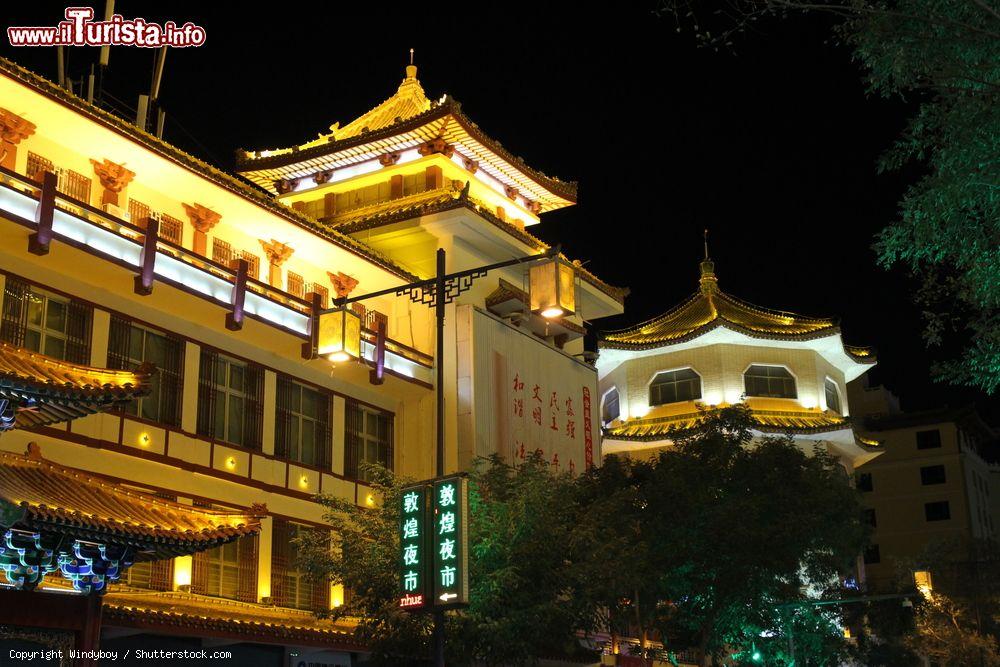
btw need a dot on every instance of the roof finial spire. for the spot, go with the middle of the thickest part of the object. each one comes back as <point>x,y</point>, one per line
<point>411,69</point>
<point>708,281</point>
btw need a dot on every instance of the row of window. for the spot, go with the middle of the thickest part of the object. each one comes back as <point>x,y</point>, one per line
<point>230,571</point>
<point>685,385</point>
<point>230,391</point>
<point>934,511</point>
<point>929,475</point>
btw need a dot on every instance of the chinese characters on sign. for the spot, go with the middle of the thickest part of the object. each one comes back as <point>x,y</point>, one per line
<point>449,540</point>
<point>412,541</point>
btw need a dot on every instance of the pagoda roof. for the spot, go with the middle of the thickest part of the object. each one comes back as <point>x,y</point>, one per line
<point>768,421</point>
<point>710,308</point>
<point>197,615</point>
<point>42,496</point>
<point>406,120</point>
<point>43,390</point>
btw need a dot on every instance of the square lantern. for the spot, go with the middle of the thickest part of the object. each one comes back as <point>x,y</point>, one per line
<point>553,288</point>
<point>339,335</point>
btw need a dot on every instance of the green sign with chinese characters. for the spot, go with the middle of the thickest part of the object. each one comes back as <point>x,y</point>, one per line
<point>450,542</point>
<point>413,546</point>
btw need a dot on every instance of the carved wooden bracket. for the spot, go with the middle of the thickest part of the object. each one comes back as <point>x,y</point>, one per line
<point>202,218</point>
<point>13,129</point>
<point>285,185</point>
<point>472,166</point>
<point>276,252</point>
<point>438,145</point>
<point>114,177</point>
<point>510,191</point>
<point>535,207</point>
<point>321,177</point>
<point>389,159</point>
<point>343,284</point>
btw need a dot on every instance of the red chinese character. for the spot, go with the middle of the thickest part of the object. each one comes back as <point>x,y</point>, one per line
<point>518,384</point>
<point>520,452</point>
<point>555,460</point>
<point>519,407</point>
<point>536,396</point>
<point>554,427</point>
<point>536,414</point>
<point>554,402</point>
<point>569,407</point>
<point>571,428</point>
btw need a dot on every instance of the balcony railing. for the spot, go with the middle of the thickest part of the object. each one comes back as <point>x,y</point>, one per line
<point>118,241</point>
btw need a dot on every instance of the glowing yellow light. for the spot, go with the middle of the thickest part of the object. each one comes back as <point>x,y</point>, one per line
<point>231,462</point>
<point>370,500</point>
<point>144,439</point>
<point>182,571</point>
<point>550,313</point>
<point>337,595</point>
<point>304,481</point>
<point>924,583</point>
<point>339,336</point>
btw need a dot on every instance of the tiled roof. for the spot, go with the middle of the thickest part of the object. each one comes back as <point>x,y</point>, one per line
<point>777,421</point>
<point>405,120</point>
<point>46,390</point>
<point>198,615</point>
<point>223,179</point>
<point>39,495</point>
<point>709,308</point>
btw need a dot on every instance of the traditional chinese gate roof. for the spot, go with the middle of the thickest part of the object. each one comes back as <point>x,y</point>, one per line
<point>91,529</point>
<point>42,390</point>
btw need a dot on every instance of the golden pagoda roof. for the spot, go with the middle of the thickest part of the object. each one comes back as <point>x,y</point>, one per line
<point>39,495</point>
<point>769,421</point>
<point>44,390</point>
<point>408,101</point>
<point>709,308</point>
<point>406,120</point>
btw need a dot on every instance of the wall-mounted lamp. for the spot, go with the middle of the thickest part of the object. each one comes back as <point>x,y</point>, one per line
<point>552,285</point>
<point>339,335</point>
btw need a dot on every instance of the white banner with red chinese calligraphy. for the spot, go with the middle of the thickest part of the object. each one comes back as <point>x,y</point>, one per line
<point>517,395</point>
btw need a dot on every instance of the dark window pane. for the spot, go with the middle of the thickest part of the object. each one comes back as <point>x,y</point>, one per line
<point>32,340</point>
<point>235,420</point>
<point>55,347</point>
<point>769,382</point>
<point>932,475</point>
<point>939,511</point>
<point>870,518</point>
<point>865,481</point>
<point>928,439</point>
<point>674,387</point>
<point>55,318</point>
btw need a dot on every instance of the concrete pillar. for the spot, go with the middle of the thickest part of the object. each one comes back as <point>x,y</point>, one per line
<point>268,418</point>
<point>189,404</point>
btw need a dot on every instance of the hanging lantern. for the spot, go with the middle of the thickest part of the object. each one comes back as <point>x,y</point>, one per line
<point>339,335</point>
<point>553,288</point>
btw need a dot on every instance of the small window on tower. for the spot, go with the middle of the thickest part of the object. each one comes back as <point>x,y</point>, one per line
<point>769,382</point>
<point>675,387</point>
<point>611,410</point>
<point>832,396</point>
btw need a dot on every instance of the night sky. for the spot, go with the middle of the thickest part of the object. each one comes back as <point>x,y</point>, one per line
<point>772,147</point>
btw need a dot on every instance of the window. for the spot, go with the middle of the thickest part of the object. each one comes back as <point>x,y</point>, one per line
<point>832,396</point>
<point>611,410</point>
<point>870,519</point>
<point>928,439</point>
<point>303,424</point>
<point>324,293</point>
<point>138,213</point>
<point>44,322</point>
<point>289,585</point>
<point>938,511</point>
<point>222,252</point>
<point>368,438</point>
<point>157,575</point>
<point>675,386</point>
<point>865,482</point>
<point>296,285</point>
<point>37,166</point>
<point>872,555</point>
<point>75,185</point>
<point>171,229</point>
<point>227,571</point>
<point>769,382</point>
<point>230,400</point>
<point>129,346</point>
<point>932,475</point>
<point>253,264</point>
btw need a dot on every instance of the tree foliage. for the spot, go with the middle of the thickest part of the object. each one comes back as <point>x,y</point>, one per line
<point>943,55</point>
<point>730,532</point>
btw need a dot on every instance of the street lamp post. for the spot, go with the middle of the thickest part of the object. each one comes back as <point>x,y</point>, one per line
<point>436,292</point>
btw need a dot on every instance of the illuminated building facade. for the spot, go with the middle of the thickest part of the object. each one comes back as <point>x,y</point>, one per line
<point>716,350</point>
<point>117,248</point>
<point>931,488</point>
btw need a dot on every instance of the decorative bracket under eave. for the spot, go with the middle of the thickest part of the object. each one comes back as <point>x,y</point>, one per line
<point>114,177</point>
<point>13,129</point>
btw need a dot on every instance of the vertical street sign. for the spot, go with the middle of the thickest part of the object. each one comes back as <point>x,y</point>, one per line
<point>450,542</point>
<point>413,561</point>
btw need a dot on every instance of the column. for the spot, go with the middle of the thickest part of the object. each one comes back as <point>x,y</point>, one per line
<point>268,418</point>
<point>189,401</point>
<point>277,254</point>
<point>203,220</point>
